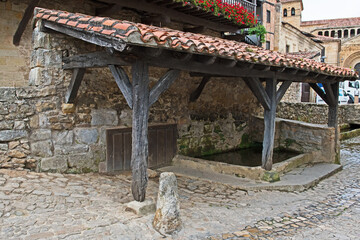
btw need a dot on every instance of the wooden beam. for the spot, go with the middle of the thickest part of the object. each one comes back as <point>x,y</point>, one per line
<point>92,60</point>
<point>76,78</point>
<point>140,152</point>
<point>174,14</point>
<point>123,82</point>
<point>163,84</point>
<point>282,90</point>
<point>196,94</point>
<point>24,21</point>
<point>93,38</point>
<point>319,92</point>
<point>258,90</point>
<point>269,122</point>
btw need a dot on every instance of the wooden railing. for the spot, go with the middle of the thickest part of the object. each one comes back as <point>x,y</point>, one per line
<point>249,5</point>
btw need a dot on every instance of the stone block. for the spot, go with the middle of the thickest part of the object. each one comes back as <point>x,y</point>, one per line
<point>7,94</point>
<point>35,76</point>
<point>271,176</point>
<point>101,117</point>
<point>19,125</point>
<point>68,108</point>
<point>141,208</point>
<point>11,135</point>
<point>63,137</point>
<point>6,125</point>
<point>40,39</point>
<point>71,149</point>
<point>86,135</point>
<point>4,147</point>
<point>167,216</point>
<point>82,161</point>
<point>40,134</point>
<point>16,154</point>
<point>42,148</point>
<point>57,163</point>
<point>3,108</point>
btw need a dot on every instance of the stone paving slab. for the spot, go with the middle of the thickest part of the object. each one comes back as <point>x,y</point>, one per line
<point>298,179</point>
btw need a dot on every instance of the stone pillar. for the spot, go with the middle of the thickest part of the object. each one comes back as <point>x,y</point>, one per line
<point>167,217</point>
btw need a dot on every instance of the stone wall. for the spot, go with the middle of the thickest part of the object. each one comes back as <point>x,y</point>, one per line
<point>317,113</point>
<point>301,137</point>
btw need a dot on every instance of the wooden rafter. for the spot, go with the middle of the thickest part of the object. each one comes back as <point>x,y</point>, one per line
<point>24,21</point>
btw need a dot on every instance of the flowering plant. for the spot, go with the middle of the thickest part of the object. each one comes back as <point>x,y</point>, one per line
<point>234,12</point>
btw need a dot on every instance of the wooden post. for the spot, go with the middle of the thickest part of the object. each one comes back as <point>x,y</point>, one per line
<point>142,99</point>
<point>139,156</point>
<point>333,115</point>
<point>269,119</point>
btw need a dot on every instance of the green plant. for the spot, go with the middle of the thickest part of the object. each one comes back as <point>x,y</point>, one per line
<point>260,31</point>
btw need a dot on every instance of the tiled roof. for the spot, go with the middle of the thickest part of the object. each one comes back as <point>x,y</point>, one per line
<point>308,54</point>
<point>150,36</point>
<point>327,39</point>
<point>340,22</point>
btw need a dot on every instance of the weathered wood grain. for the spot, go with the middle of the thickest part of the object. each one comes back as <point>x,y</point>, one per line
<point>196,94</point>
<point>76,79</point>
<point>24,21</point>
<point>139,156</point>
<point>269,121</point>
<point>163,84</point>
<point>123,82</point>
<point>258,90</point>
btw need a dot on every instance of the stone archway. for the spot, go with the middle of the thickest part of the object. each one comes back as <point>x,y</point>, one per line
<point>357,67</point>
<point>352,60</point>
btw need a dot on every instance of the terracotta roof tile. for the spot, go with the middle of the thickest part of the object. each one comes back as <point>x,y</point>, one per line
<point>340,22</point>
<point>141,34</point>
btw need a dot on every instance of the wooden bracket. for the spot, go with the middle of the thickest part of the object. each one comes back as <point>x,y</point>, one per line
<point>196,94</point>
<point>163,84</point>
<point>320,92</point>
<point>282,90</point>
<point>77,77</point>
<point>123,82</point>
<point>258,90</point>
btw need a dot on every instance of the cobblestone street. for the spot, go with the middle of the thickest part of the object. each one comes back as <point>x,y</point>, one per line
<point>92,206</point>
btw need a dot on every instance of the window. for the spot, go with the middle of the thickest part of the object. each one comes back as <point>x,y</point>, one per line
<point>320,33</point>
<point>346,33</point>
<point>268,16</point>
<point>268,45</point>
<point>285,12</point>
<point>287,48</point>
<point>352,32</point>
<point>293,12</point>
<point>358,31</point>
<point>332,33</point>
<point>326,33</point>
<point>339,34</point>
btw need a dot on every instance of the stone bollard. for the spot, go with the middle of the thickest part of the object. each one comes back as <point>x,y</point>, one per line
<point>167,217</point>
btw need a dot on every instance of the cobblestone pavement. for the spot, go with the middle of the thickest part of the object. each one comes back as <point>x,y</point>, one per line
<point>92,206</point>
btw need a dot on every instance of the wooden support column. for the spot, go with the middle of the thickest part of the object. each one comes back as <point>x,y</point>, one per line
<point>333,91</point>
<point>142,99</point>
<point>269,119</point>
<point>139,156</point>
